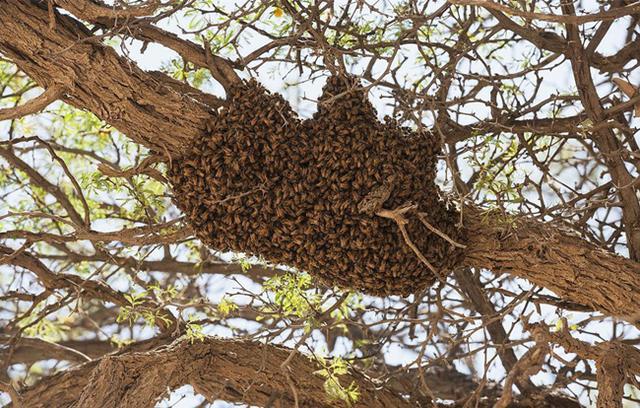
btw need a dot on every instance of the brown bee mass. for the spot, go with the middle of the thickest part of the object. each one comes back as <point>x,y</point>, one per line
<point>266,183</point>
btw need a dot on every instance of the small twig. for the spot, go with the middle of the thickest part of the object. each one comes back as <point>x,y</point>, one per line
<point>74,182</point>
<point>284,367</point>
<point>235,197</point>
<point>397,215</point>
<point>292,386</point>
<point>145,167</point>
<point>415,249</point>
<point>9,257</point>
<point>441,234</point>
<point>52,15</point>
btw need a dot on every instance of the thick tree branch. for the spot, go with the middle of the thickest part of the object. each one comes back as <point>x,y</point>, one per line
<point>144,106</point>
<point>221,69</point>
<point>158,116</point>
<point>30,350</point>
<point>551,257</point>
<point>233,370</point>
<point>91,11</point>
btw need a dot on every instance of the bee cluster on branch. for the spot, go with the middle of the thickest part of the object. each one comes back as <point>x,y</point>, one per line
<point>266,183</point>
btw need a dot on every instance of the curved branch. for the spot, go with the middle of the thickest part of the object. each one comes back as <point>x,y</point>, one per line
<point>31,350</point>
<point>557,44</point>
<point>144,106</point>
<point>555,259</point>
<point>34,105</point>
<point>629,9</point>
<point>93,11</point>
<point>256,272</point>
<point>46,185</point>
<point>87,288</point>
<point>164,119</point>
<point>617,363</point>
<point>240,371</point>
<point>221,69</point>
<point>233,370</point>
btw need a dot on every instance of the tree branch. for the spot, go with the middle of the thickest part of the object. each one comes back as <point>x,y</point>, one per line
<point>551,257</point>
<point>221,69</point>
<point>142,105</point>
<point>617,363</point>
<point>611,14</point>
<point>34,105</point>
<point>232,370</point>
<point>159,117</point>
<point>239,371</point>
<point>91,11</point>
<point>605,139</point>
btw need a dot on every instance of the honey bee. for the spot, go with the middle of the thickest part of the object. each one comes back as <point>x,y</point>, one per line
<point>314,173</point>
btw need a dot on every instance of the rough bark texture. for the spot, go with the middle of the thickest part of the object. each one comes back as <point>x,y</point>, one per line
<point>233,370</point>
<point>553,258</point>
<point>150,110</point>
<point>237,371</point>
<point>611,379</point>
<point>221,69</point>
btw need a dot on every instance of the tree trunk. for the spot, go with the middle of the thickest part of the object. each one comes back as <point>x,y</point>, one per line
<point>156,111</point>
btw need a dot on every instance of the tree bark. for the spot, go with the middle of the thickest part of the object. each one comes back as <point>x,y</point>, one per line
<point>151,110</point>
<point>231,370</point>
<point>236,371</point>
<point>555,259</point>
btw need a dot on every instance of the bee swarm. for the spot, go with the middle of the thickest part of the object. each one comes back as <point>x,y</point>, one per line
<point>266,183</point>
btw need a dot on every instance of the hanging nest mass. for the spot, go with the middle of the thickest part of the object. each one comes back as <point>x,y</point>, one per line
<point>308,193</point>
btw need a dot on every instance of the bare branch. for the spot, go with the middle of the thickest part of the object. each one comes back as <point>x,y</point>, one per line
<point>613,14</point>
<point>92,11</point>
<point>34,105</point>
